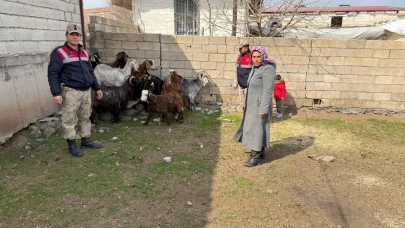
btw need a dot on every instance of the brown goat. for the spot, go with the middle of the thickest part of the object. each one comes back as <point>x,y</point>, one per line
<point>120,61</point>
<point>165,104</point>
<point>143,69</point>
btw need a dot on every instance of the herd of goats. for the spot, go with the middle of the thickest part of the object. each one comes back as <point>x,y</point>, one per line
<point>125,80</point>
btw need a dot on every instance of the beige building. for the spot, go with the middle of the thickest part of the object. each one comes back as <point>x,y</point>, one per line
<point>340,16</point>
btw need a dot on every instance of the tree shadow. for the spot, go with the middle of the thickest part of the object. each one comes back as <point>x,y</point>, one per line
<point>288,146</point>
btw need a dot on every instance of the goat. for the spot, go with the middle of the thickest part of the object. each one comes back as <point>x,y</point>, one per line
<point>120,61</point>
<point>190,87</point>
<point>114,98</point>
<point>143,68</point>
<point>172,85</point>
<point>165,104</point>
<point>95,59</point>
<point>108,76</point>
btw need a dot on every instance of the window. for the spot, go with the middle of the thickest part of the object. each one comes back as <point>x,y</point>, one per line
<point>336,22</point>
<point>101,14</point>
<point>186,17</point>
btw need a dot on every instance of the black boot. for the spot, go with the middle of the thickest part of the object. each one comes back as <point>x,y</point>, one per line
<point>87,143</point>
<point>73,148</point>
<point>254,159</point>
<point>262,154</point>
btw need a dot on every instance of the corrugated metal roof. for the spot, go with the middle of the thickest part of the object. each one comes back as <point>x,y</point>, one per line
<point>335,9</point>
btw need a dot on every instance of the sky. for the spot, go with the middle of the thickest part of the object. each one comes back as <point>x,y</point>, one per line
<point>399,3</point>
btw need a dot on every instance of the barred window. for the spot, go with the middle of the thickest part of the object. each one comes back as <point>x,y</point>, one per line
<point>186,17</point>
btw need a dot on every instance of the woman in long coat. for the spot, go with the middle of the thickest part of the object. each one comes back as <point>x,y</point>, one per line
<point>254,131</point>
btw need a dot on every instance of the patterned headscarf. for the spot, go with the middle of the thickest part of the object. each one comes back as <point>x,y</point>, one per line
<point>263,53</point>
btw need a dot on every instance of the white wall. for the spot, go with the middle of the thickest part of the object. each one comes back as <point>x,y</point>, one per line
<point>154,16</point>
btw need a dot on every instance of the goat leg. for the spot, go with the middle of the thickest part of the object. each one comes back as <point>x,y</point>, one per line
<point>147,120</point>
<point>116,116</point>
<point>167,118</point>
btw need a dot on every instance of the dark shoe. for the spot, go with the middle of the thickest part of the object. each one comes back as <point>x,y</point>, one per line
<point>87,143</point>
<point>262,154</point>
<point>73,148</point>
<point>252,162</point>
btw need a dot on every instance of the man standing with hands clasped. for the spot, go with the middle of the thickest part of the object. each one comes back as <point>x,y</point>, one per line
<point>243,69</point>
<point>71,77</point>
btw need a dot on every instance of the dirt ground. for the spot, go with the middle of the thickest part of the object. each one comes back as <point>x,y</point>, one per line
<point>209,186</point>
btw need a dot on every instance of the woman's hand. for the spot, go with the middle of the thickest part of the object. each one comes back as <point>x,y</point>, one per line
<point>261,114</point>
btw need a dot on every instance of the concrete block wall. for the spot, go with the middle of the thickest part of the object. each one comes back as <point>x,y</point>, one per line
<point>29,31</point>
<point>318,72</point>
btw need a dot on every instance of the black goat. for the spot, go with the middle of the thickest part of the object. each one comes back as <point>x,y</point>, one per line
<point>114,98</point>
<point>95,59</point>
<point>119,62</point>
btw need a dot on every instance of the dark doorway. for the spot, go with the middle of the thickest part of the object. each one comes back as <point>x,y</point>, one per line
<point>336,22</point>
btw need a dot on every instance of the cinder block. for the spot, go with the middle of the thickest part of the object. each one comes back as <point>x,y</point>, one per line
<point>347,95</point>
<point>390,44</point>
<point>314,94</point>
<point>392,105</point>
<point>113,44</point>
<point>192,65</point>
<point>184,39</point>
<point>300,60</point>
<point>129,45</point>
<point>389,63</point>
<point>216,40</point>
<point>209,65</point>
<point>228,74</point>
<point>151,37</point>
<point>331,78</point>
<point>75,17</point>
<point>336,61</point>
<point>200,40</point>
<point>216,58</point>
<point>381,53</point>
<point>374,44</point>
<point>210,49</point>
<point>9,21</point>
<point>168,39</point>
<point>119,36</point>
<point>176,64</point>
<point>184,56</point>
<point>372,62</point>
<point>7,34</point>
<point>394,72</point>
<point>232,41</point>
<point>398,97</point>
<point>389,88</point>
<point>397,54</point>
<point>294,77</point>
<point>63,6</point>
<point>193,48</point>
<point>337,43</point>
<point>383,79</point>
<point>366,79</point>
<point>230,58</point>
<point>99,44</point>
<point>356,44</point>
<point>365,96</point>
<point>332,94</point>
<point>382,96</point>
<point>318,85</point>
<point>135,37</point>
<point>364,53</point>
<point>167,55</point>
<point>200,57</point>
<point>345,52</point>
<point>71,8</point>
<point>152,54</point>
<point>372,104</point>
<point>398,81</point>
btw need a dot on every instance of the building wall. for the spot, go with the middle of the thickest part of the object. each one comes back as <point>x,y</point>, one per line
<point>352,19</point>
<point>30,30</point>
<point>154,16</point>
<point>340,73</point>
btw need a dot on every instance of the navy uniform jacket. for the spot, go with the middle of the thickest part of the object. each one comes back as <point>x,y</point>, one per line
<point>72,68</point>
<point>243,69</point>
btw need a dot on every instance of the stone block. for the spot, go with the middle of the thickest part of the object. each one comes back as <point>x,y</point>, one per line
<point>366,79</point>
<point>232,41</point>
<point>228,74</point>
<point>372,104</point>
<point>300,60</point>
<point>99,44</point>
<point>176,64</point>
<point>9,21</point>
<point>348,95</point>
<point>389,88</point>
<point>331,78</point>
<point>75,17</point>
<point>119,36</point>
<point>68,16</point>
<point>95,19</point>
<point>318,86</point>
<point>392,105</point>
<point>398,80</point>
<point>345,52</point>
<point>192,65</point>
<point>221,49</point>
<point>332,94</point>
<point>382,96</point>
<point>203,40</point>
<point>167,55</point>
<point>295,77</point>
<point>151,37</point>
<point>216,40</point>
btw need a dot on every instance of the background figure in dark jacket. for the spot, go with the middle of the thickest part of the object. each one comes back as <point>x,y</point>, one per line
<point>71,77</point>
<point>279,95</point>
<point>243,69</point>
<point>254,130</point>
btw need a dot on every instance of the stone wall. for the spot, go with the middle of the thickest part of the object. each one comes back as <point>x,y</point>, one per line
<point>30,30</point>
<point>327,73</point>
